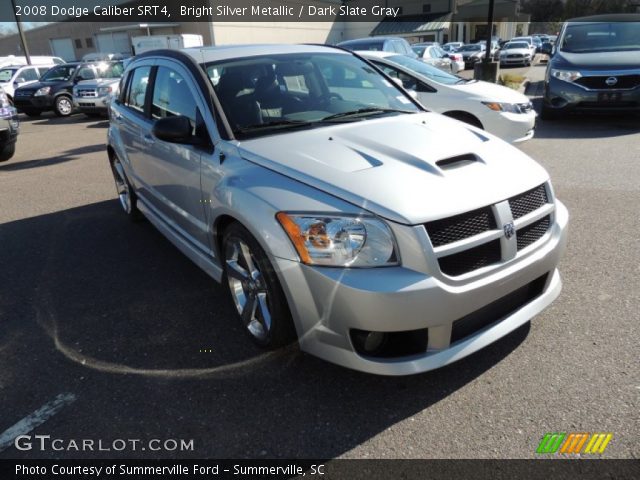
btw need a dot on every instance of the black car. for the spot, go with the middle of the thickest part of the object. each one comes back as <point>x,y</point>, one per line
<point>594,67</point>
<point>9,127</point>
<point>54,90</point>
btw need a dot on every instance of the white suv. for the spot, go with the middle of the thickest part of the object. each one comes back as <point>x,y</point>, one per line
<point>14,76</point>
<point>92,97</point>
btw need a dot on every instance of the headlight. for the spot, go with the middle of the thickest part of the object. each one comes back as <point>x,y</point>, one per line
<point>102,91</point>
<point>503,107</point>
<point>566,75</point>
<point>340,241</point>
<point>42,91</point>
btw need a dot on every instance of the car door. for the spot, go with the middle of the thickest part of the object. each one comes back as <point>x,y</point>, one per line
<point>25,76</point>
<point>172,171</point>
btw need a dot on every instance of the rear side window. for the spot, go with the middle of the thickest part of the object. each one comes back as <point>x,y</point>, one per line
<point>172,96</point>
<point>29,74</point>
<point>138,88</point>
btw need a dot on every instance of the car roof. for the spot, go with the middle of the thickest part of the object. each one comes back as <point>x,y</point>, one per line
<point>612,17</point>
<point>225,52</point>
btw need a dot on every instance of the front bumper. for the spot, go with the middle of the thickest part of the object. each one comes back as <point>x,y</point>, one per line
<point>565,97</point>
<point>9,127</point>
<point>329,304</point>
<point>42,102</point>
<point>514,61</point>
<point>91,105</point>
<point>511,127</point>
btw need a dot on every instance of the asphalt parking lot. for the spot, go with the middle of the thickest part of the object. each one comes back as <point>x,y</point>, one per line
<point>143,345</point>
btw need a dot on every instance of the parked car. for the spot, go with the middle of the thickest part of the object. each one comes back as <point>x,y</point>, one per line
<point>498,110</point>
<point>54,90</point>
<point>92,97</point>
<point>15,76</point>
<point>9,127</point>
<point>594,67</point>
<point>452,47</point>
<point>35,60</point>
<point>472,53</point>
<point>333,207</point>
<point>383,44</point>
<point>515,53</point>
<point>433,54</point>
<point>529,40</point>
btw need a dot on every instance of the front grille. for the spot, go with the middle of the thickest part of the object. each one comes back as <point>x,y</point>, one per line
<point>459,227</point>
<point>533,232</point>
<point>24,93</point>
<point>472,259</point>
<point>600,82</point>
<point>529,201</point>
<point>87,93</point>
<point>497,310</point>
<point>515,55</point>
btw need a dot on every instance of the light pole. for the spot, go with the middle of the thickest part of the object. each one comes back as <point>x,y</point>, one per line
<point>23,40</point>
<point>487,56</point>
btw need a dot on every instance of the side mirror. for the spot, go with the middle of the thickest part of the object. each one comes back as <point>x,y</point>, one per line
<point>174,129</point>
<point>19,81</point>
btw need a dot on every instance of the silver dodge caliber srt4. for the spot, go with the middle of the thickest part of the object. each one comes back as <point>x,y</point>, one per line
<point>335,208</point>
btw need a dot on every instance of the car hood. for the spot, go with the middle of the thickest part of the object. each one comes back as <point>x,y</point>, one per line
<point>388,166</point>
<point>520,51</point>
<point>98,82</point>
<point>488,91</point>
<point>37,85</point>
<point>597,61</point>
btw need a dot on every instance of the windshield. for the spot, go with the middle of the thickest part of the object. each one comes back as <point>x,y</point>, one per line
<point>601,37</point>
<point>265,93</point>
<point>514,45</point>
<point>425,69</point>
<point>7,73</point>
<point>376,46</point>
<point>60,73</point>
<point>470,48</point>
<point>110,70</point>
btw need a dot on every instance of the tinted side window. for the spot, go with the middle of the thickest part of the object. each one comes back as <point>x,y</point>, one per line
<point>29,74</point>
<point>138,88</point>
<point>172,96</point>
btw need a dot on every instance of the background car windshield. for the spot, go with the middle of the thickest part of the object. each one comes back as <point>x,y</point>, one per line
<point>601,37</point>
<point>7,73</point>
<point>419,50</point>
<point>110,70</point>
<point>376,46</point>
<point>58,73</point>
<point>514,45</point>
<point>469,48</point>
<point>300,88</point>
<point>425,69</point>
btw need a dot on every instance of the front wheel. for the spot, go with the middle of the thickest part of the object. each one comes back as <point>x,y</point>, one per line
<point>7,151</point>
<point>126,194</point>
<point>255,290</point>
<point>63,106</point>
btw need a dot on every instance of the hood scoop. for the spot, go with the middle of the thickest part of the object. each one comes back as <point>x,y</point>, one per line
<point>458,161</point>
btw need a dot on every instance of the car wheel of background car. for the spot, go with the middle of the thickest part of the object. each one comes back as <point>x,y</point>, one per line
<point>63,106</point>
<point>255,290</point>
<point>32,113</point>
<point>7,152</point>
<point>465,117</point>
<point>126,194</point>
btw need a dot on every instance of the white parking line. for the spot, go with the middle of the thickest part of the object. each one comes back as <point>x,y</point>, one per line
<point>36,419</point>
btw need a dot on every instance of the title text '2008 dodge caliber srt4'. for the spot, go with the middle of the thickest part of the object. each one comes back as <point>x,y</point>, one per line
<point>335,208</point>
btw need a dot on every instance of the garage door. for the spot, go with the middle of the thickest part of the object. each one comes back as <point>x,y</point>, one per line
<point>116,42</point>
<point>63,47</point>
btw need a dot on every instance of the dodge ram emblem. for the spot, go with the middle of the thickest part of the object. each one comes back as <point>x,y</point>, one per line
<point>509,230</point>
<point>611,81</point>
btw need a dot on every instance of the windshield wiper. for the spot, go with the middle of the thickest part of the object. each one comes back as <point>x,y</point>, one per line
<point>276,124</point>
<point>364,111</point>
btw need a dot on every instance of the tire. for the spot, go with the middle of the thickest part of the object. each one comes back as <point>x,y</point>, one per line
<point>32,113</point>
<point>547,114</point>
<point>7,152</point>
<point>63,106</point>
<point>466,118</point>
<point>126,194</point>
<point>255,290</point>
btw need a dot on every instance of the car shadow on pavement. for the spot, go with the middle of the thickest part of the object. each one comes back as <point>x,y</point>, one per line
<point>111,311</point>
<point>73,154</point>
<point>586,126</point>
